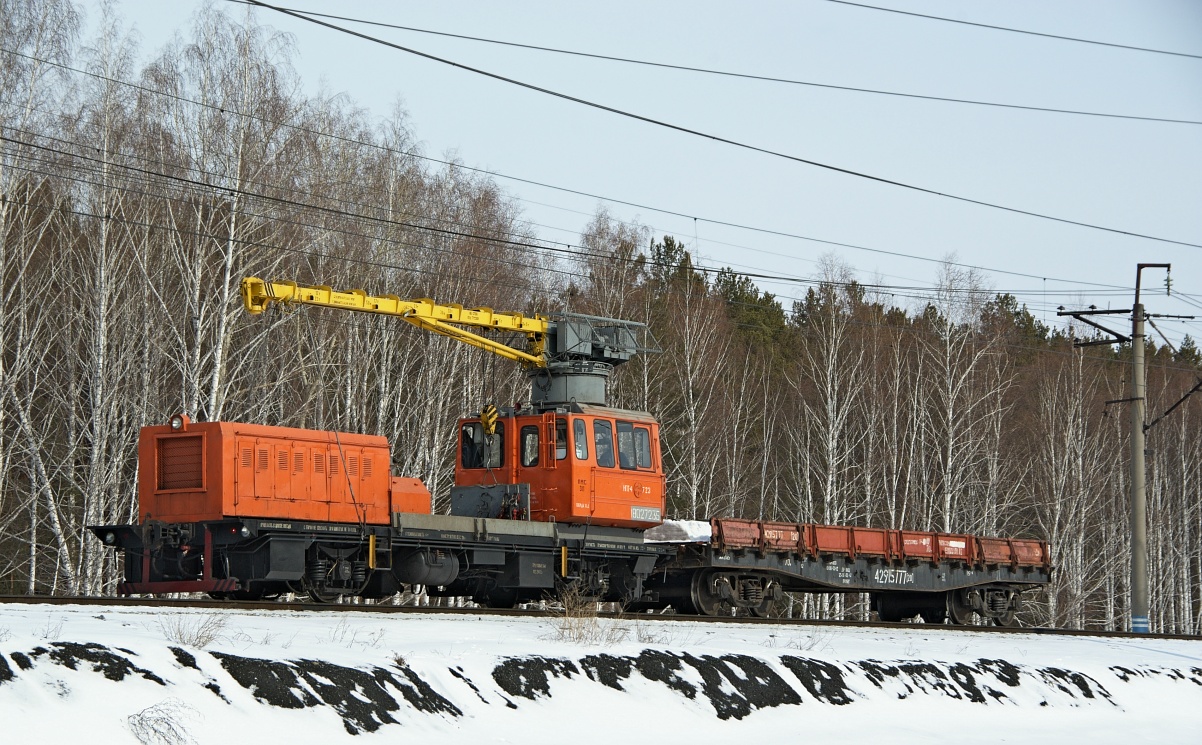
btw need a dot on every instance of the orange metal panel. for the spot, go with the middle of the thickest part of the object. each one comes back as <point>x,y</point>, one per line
<point>917,544</point>
<point>1030,553</point>
<point>410,495</point>
<point>164,492</point>
<point>830,539</point>
<point>995,550</point>
<point>782,537</point>
<point>250,470</point>
<point>730,533</point>
<point>955,546</point>
<point>872,541</point>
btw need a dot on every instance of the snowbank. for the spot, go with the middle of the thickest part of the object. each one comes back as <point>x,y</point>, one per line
<point>189,675</point>
<point>679,531</point>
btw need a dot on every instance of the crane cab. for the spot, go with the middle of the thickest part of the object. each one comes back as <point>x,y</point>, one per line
<point>578,464</point>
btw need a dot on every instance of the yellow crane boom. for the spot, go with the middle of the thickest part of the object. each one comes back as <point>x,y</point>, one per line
<point>446,320</point>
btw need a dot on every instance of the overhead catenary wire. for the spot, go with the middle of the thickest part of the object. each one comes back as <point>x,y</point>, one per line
<point>730,74</point>
<point>567,250</point>
<point>566,190</point>
<point>1017,30</point>
<point>879,290</point>
<point>893,291</point>
<point>727,141</point>
<point>902,291</point>
<point>495,282</point>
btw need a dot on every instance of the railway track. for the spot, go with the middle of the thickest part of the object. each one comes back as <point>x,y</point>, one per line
<point>540,613</point>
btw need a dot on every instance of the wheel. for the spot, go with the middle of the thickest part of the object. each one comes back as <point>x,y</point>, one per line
<point>764,609</point>
<point>958,609</point>
<point>1008,619</point>
<point>886,610</point>
<point>705,602</point>
<point>321,595</point>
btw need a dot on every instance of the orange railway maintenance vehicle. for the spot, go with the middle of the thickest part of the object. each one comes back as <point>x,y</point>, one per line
<point>561,491</point>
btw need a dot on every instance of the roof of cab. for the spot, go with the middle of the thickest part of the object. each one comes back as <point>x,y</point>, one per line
<point>605,411</point>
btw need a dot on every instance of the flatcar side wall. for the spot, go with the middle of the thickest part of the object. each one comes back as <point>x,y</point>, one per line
<point>815,541</point>
<point>861,573</point>
<point>823,558</point>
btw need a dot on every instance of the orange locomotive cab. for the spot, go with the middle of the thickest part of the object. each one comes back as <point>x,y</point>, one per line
<point>578,464</point>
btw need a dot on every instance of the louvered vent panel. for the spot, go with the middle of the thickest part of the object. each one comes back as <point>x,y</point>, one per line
<point>262,464</point>
<point>180,464</point>
<point>367,468</point>
<point>246,459</point>
<point>298,461</point>
<point>352,465</point>
<point>319,462</point>
<point>282,457</point>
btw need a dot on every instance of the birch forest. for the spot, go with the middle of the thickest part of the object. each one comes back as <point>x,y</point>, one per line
<point>134,196</point>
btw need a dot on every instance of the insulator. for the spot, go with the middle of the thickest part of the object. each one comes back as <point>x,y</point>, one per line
<point>317,570</point>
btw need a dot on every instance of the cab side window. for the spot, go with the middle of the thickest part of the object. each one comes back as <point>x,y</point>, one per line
<point>626,445</point>
<point>603,440</point>
<point>529,446</point>
<point>642,447</point>
<point>478,450</point>
<point>580,435</point>
<point>561,439</point>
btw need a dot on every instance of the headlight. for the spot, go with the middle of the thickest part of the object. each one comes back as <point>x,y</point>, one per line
<point>110,538</point>
<point>245,532</point>
<point>177,422</point>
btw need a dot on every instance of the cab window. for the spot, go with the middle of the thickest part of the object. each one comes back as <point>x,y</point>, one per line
<point>603,441</point>
<point>642,447</point>
<point>580,435</point>
<point>478,450</point>
<point>529,446</point>
<point>561,439</point>
<point>626,445</point>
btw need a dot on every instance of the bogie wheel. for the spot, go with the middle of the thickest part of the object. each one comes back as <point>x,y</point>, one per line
<point>705,602</point>
<point>886,610</point>
<point>958,610</point>
<point>764,609</point>
<point>321,595</point>
<point>1007,619</point>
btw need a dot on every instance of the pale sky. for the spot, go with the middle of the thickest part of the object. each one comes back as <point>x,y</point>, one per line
<point>1137,176</point>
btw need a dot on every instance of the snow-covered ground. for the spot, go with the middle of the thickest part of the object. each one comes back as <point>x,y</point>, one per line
<point>117,675</point>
